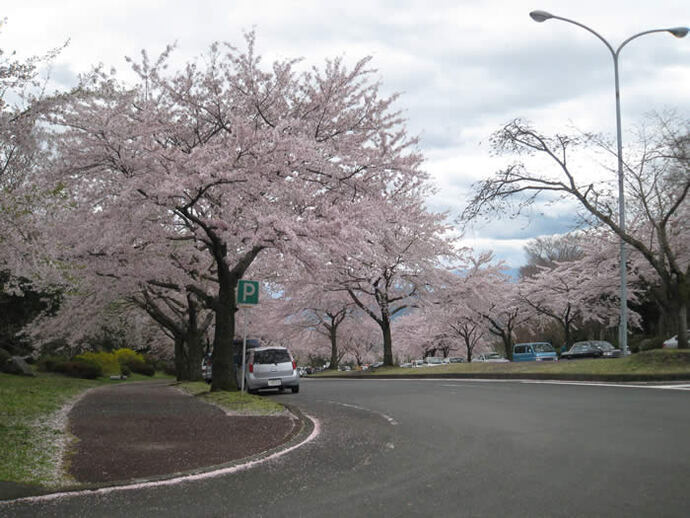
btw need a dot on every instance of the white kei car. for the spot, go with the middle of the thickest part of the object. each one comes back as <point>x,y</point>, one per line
<point>672,343</point>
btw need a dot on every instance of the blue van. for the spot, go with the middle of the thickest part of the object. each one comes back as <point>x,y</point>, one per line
<point>534,352</point>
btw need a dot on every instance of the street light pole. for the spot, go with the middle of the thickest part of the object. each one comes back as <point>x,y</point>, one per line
<point>678,32</point>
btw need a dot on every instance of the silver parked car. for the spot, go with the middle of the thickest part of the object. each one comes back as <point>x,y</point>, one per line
<point>490,358</point>
<point>270,368</point>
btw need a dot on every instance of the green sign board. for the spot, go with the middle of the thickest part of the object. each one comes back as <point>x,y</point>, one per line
<point>247,293</point>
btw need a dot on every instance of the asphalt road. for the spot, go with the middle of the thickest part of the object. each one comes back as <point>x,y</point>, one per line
<point>445,448</point>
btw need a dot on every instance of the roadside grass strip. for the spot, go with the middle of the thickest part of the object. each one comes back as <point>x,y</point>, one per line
<point>234,403</point>
<point>33,417</point>
<point>648,363</point>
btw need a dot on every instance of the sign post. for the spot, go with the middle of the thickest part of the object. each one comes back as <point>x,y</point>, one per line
<point>247,296</point>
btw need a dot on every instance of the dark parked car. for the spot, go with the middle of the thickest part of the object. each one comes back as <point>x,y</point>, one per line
<point>609,350</point>
<point>591,349</point>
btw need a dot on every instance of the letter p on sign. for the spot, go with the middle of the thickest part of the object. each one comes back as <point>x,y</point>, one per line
<point>247,293</point>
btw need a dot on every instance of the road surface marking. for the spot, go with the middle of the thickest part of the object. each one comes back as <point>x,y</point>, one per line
<point>460,383</point>
<point>348,405</point>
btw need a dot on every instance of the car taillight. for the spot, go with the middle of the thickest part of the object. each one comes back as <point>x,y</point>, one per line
<point>294,365</point>
<point>251,367</point>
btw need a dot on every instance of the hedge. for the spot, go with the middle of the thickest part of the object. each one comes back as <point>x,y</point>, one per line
<point>79,368</point>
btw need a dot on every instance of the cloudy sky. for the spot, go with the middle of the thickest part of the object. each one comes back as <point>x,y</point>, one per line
<point>463,67</point>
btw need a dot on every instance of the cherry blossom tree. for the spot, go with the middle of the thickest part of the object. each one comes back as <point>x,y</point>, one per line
<point>573,293</point>
<point>419,334</point>
<point>503,311</point>
<point>398,266</point>
<point>457,314</point>
<point>229,159</point>
<point>315,308</point>
<point>479,301</point>
<point>185,321</point>
<point>657,185</point>
<point>360,339</point>
<point>22,103</point>
<point>22,147</point>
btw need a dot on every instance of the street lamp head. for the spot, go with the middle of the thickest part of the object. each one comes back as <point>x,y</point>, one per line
<point>542,16</point>
<point>679,32</point>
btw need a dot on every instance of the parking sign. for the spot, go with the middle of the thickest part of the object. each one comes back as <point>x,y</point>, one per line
<point>247,293</point>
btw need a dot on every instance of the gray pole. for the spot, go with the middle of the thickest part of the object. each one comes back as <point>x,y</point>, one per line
<point>678,32</point>
<point>244,344</point>
<point>623,320</point>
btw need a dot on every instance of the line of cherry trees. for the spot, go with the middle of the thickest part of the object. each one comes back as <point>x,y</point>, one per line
<point>149,201</point>
<point>463,312</point>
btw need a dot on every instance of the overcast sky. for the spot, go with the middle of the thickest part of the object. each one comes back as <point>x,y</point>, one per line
<point>463,67</point>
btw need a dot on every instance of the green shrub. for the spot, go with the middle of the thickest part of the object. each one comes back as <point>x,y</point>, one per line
<point>80,368</point>
<point>107,361</point>
<point>50,363</point>
<point>133,361</point>
<point>166,366</point>
<point>125,356</point>
<point>141,367</point>
<point>125,370</point>
<point>4,356</point>
<point>649,344</point>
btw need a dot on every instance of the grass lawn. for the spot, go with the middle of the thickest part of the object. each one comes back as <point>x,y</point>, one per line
<point>238,403</point>
<point>32,435</point>
<point>645,364</point>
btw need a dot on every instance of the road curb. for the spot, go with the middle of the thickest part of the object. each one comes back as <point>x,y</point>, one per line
<point>302,429</point>
<point>613,378</point>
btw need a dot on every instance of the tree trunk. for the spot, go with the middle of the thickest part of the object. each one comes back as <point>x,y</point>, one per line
<point>181,363</point>
<point>508,344</point>
<point>332,330</point>
<point>683,326</point>
<point>567,334</point>
<point>195,355</point>
<point>194,342</point>
<point>225,307</point>
<point>223,350</point>
<point>387,341</point>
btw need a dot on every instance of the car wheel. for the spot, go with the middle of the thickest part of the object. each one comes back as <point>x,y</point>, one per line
<point>295,390</point>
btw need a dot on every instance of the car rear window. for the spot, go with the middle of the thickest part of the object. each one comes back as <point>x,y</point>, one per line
<point>271,356</point>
